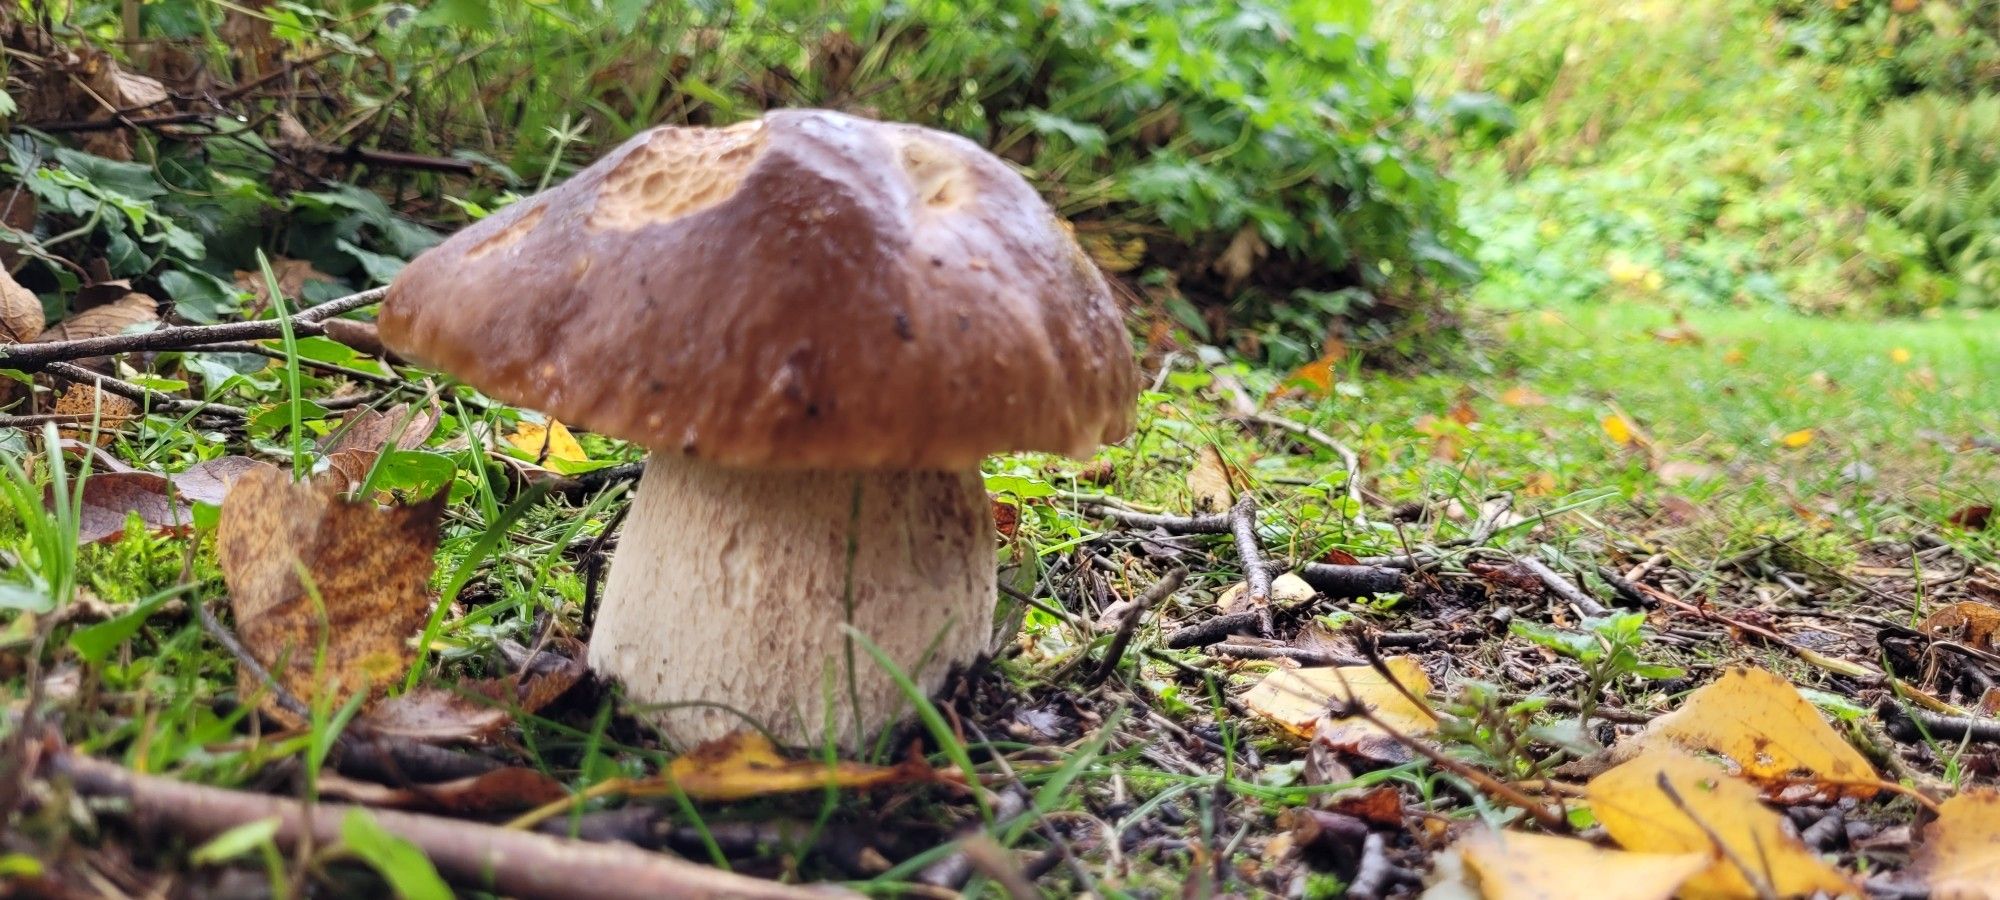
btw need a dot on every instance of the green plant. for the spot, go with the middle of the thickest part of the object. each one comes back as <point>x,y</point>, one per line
<point>1933,164</point>
<point>1608,649</point>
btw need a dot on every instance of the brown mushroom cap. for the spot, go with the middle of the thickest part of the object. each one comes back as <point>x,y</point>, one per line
<point>806,290</point>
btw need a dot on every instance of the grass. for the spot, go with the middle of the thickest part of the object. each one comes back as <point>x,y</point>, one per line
<point>1717,400</point>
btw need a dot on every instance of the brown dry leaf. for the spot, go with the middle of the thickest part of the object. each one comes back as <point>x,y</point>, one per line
<point>1642,816</point>
<point>1972,518</point>
<point>744,764</point>
<point>1513,865</point>
<point>1240,258</point>
<point>1969,622</point>
<point>1315,378</point>
<point>368,568</point>
<point>1380,806</point>
<point>1297,699</point>
<point>372,430</point>
<point>292,275</point>
<point>501,790</point>
<point>111,497</point>
<point>93,410</point>
<point>164,503</point>
<point>1210,482</point>
<point>1463,413</point>
<point>209,481</point>
<point>472,711</point>
<point>1522,396</point>
<point>1960,856</point>
<point>1762,723</point>
<point>20,312</point>
<point>551,441</point>
<point>132,312</point>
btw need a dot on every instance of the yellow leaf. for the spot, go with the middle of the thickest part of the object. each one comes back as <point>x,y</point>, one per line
<point>1643,816</point>
<point>1960,857</point>
<point>1619,430</point>
<point>1512,865</point>
<point>1521,396</point>
<point>556,439</point>
<point>1899,356</point>
<point>1762,723</point>
<point>1539,484</point>
<point>1734,357</point>
<point>744,764</point>
<point>1297,699</point>
<point>1210,483</point>
<point>1798,438</point>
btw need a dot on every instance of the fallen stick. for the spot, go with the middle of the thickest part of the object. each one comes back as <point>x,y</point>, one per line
<point>517,863</point>
<point>1212,631</point>
<point>144,396</point>
<point>305,323</point>
<point>1562,587</point>
<point>1214,523</point>
<point>1348,582</point>
<point>1256,576</point>
<point>1129,623</point>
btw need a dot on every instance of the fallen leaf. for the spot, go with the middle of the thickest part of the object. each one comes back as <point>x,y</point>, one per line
<point>1381,806</point>
<point>368,429</point>
<point>1463,413</point>
<point>209,481</point>
<point>1643,816</point>
<point>1317,377</point>
<point>1969,622</point>
<point>1797,438</point>
<point>292,275</point>
<point>1513,865</point>
<point>1972,518</point>
<point>1620,430</point>
<point>1539,484</point>
<point>1240,258</point>
<point>1899,356</point>
<point>20,312</point>
<point>1769,729</point>
<point>1006,517</point>
<point>552,441</point>
<point>744,764</point>
<point>111,498</point>
<point>472,711</point>
<point>1680,471</point>
<point>1960,855</point>
<point>312,575</point>
<point>132,312</point>
<point>1297,699</point>
<point>93,411</point>
<point>1522,396</point>
<point>1112,254</point>
<point>501,790</point>
<point>1209,482</point>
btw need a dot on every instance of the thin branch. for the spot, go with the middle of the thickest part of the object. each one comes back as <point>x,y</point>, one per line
<point>1563,587</point>
<point>1213,523</point>
<point>1346,454</point>
<point>306,323</point>
<point>1160,590</point>
<point>1256,577</point>
<point>142,395</point>
<point>484,857</point>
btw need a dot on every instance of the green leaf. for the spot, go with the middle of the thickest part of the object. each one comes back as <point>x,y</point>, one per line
<point>19,865</point>
<point>198,296</point>
<point>23,597</point>
<point>399,861</point>
<point>279,415</point>
<point>1576,645</point>
<point>236,842</point>
<point>96,642</point>
<point>1019,485</point>
<point>416,472</point>
<point>381,268</point>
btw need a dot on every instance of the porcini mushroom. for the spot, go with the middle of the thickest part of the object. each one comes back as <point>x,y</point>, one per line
<point>819,325</point>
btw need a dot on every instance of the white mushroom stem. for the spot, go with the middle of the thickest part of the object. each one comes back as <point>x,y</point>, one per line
<point>730,589</point>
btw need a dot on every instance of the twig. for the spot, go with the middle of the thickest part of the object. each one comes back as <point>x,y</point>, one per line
<point>1913,725</point>
<point>1371,877</point>
<point>1347,582</point>
<point>1347,456</point>
<point>1296,654</point>
<point>1758,881</point>
<point>142,395</point>
<point>1623,586</point>
<point>283,697</point>
<point>1211,631</point>
<point>306,323</point>
<point>1256,577</point>
<point>484,857</point>
<point>1562,587</point>
<point>1115,651</point>
<point>1212,523</point>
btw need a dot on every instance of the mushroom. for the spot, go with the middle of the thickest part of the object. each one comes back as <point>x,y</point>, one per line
<point>819,325</point>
